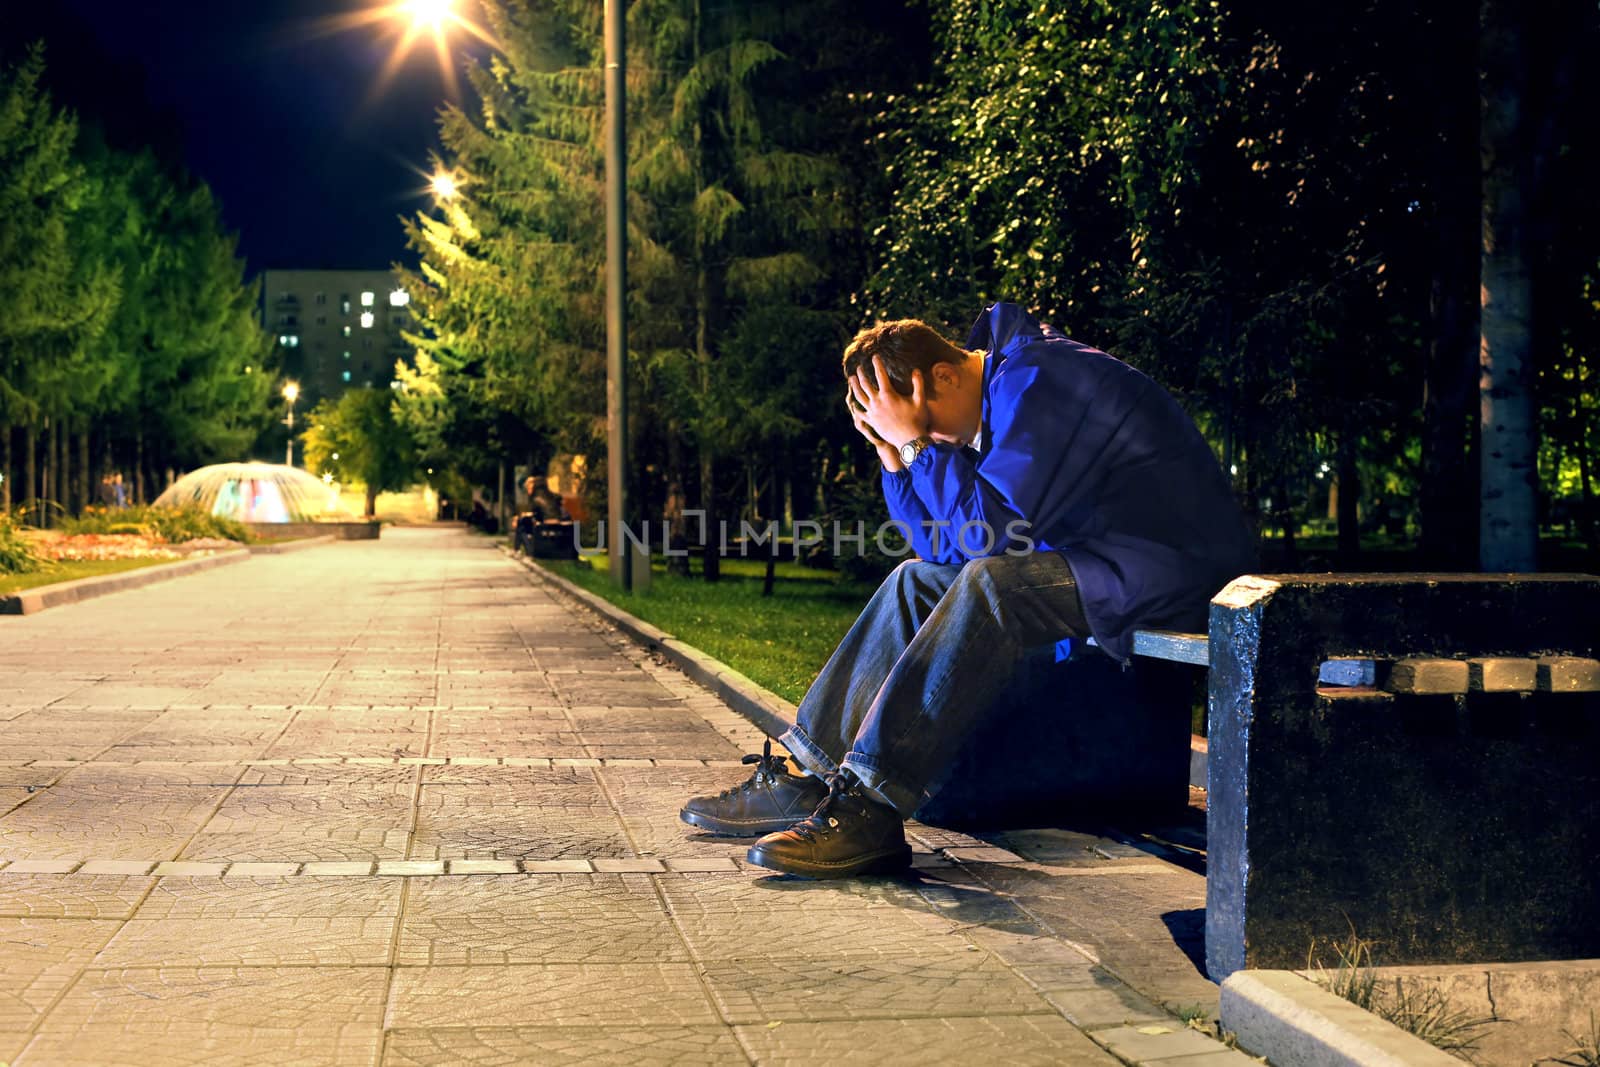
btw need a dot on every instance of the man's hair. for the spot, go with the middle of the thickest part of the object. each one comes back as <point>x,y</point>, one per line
<point>905,345</point>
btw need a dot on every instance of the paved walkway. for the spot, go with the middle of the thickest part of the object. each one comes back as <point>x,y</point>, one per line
<point>395,802</point>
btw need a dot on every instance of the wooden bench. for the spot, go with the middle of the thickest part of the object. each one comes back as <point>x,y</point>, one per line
<point>1410,755</point>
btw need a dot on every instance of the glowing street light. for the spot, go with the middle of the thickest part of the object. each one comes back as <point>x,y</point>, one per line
<point>444,185</point>
<point>291,393</point>
<point>431,14</point>
<point>412,21</point>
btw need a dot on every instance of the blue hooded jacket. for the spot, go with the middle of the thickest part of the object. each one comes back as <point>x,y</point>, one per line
<point>1103,466</point>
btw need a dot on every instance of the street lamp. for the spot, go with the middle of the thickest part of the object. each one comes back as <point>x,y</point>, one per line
<point>291,393</point>
<point>438,17</point>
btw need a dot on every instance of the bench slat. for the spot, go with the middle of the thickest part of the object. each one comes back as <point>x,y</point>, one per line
<point>1569,674</point>
<point>1428,676</point>
<point>1174,645</point>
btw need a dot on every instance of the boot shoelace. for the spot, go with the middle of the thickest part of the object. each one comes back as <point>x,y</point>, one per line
<point>821,821</point>
<point>768,767</point>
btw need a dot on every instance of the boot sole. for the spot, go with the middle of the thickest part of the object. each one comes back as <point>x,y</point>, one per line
<point>712,824</point>
<point>887,861</point>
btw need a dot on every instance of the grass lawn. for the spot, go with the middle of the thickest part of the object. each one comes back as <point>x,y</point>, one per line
<point>71,570</point>
<point>781,642</point>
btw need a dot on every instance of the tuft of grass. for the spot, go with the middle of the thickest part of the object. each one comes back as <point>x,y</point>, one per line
<point>1422,1011</point>
<point>49,573</point>
<point>1585,1050</point>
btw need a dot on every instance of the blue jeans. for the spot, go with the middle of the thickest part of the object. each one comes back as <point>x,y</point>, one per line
<point>921,669</point>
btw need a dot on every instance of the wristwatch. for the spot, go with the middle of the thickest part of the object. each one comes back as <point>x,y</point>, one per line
<point>913,448</point>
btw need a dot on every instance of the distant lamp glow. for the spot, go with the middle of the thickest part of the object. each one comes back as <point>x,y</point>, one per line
<point>327,477</point>
<point>291,393</point>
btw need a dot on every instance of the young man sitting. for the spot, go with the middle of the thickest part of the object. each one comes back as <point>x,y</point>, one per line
<point>1048,490</point>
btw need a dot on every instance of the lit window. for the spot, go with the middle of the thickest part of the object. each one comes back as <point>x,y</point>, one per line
<point>366,299</point>
<point>347,355</point>
<point>347,331</point>
<point>399,298</point>
<point>344,303</point>
<point>345,376</point>
<point>366,320</point>
<point>294,341</point>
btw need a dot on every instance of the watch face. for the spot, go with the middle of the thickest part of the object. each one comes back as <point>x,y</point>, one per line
<point>908,452</point>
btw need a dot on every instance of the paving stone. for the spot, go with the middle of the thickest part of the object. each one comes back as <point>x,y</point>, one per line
<point>612,1046</point>
<point>734,919</point>
<point>1030,1040</point>
<point>520,832</point>
<point>49,896</point>
<point>240,899</point>
<point>185,1015</point>
<point>1109,1003</point>
<point>517,919</point>
<point>337,869</point>
<point>39,958</point>
<point>940,980</point>
<point>285,846</point>
<point>252,869</point>
<point>483,867</point>
<point>558,866</point>
<point>190,869</point>
<point>1157,1043</point>
<point>52,866</point>
<point>261,942</point>
<point>658,994</point>
<point>646,865</point>
<point>411,868</point>
<point>116,867</point>
<point>693,865</point>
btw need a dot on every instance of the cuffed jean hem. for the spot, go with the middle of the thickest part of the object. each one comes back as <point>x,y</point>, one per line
<point>897,796</point>
<point>806,752</point>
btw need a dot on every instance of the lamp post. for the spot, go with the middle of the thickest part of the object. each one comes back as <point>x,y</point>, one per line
<point>617,294</point>
<point>437,17</point>
<point>291,393</point>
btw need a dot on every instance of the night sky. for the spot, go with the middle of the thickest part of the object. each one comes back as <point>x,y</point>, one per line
<point>312,165</point>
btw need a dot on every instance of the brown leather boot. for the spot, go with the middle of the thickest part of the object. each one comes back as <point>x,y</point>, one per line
<point>850,833</point>
<point>770,799</point>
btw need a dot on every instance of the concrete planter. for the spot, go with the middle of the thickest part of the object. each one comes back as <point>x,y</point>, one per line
<point>358,530</point>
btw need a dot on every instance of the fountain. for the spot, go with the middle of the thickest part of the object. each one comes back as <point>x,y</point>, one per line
<point>269,498</point>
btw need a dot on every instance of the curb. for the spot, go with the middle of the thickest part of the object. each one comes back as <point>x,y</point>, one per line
<point>33,601</point>
<point>1290,1019</point>
<point>292,546</point>
<point>770,712</point>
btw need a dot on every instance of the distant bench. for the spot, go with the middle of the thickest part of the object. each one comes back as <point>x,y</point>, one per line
<point>1412,756</point>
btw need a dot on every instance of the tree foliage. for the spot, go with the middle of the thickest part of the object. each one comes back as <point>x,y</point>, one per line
<point>359,437</point>
<point>126,323</point>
